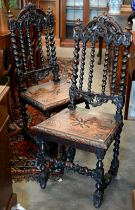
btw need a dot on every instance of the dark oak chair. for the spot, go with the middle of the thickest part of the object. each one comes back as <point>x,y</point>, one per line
<point>38,76</point>
<point>90,130</point>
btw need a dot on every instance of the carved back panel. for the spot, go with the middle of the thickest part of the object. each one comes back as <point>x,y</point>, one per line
<point>27,30</point>
<point>117,45</point>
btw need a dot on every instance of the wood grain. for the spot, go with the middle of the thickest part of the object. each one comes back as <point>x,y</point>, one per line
<point>48,95</point>
<point>6,191</point>
<point>81,126</point>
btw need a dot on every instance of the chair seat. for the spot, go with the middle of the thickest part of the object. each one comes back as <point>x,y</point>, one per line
<point>47,95</point>
<point>80,127</point>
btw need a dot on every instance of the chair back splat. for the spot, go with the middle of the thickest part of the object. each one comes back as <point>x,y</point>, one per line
<point>114,39</point>
<point>92,130</point>
<point>26,37</point>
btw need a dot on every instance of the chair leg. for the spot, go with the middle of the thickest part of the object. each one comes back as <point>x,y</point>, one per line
<point>70,153</point>
<point>98,194</point>
<point>44,173</point>
<point>115,162</point>
<point>24,115</point>
<point>61,152</point>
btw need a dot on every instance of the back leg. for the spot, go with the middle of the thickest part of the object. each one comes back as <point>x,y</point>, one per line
<point>98,194</point>
<point>115,162</point>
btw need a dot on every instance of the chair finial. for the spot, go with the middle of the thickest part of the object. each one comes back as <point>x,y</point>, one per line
<point>10,15</point>
<point>49,11</point>
<point>78,22</point>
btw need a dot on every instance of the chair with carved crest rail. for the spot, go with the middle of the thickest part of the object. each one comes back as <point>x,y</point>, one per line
<point>33,65</point>
<point>81,127</point>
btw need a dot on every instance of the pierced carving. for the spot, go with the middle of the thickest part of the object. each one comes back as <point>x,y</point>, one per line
<point>100,27</point>
<point>79,131</point>
<point>27,49</point>
<point>26,43</point>
<point>81,122</point>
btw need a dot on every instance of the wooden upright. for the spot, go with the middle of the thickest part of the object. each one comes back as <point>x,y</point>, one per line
<point>7,198</point>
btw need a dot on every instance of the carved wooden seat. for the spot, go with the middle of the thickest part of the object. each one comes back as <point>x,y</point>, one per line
<point>30,31</point>
<point>47,96</point>
<point>83,128</point>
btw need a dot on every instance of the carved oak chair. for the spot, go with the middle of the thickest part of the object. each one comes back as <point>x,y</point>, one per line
<point>82,128</point>
<point>33,65</point>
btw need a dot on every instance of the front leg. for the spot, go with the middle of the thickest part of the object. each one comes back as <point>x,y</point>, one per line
<point>98,194</point>
<point>24,114</point>
<point>41,162</point>
<point>70,153</point>
<point>115,162</point>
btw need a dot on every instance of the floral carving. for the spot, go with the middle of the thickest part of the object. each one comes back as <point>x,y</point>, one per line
<point>81,122</point>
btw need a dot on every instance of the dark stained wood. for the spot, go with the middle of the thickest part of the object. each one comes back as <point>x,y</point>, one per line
<point>83,128</point>
<point>37,64</point>
<point>30,72</point>
<point>7,199</point>
<point>131,64</point>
